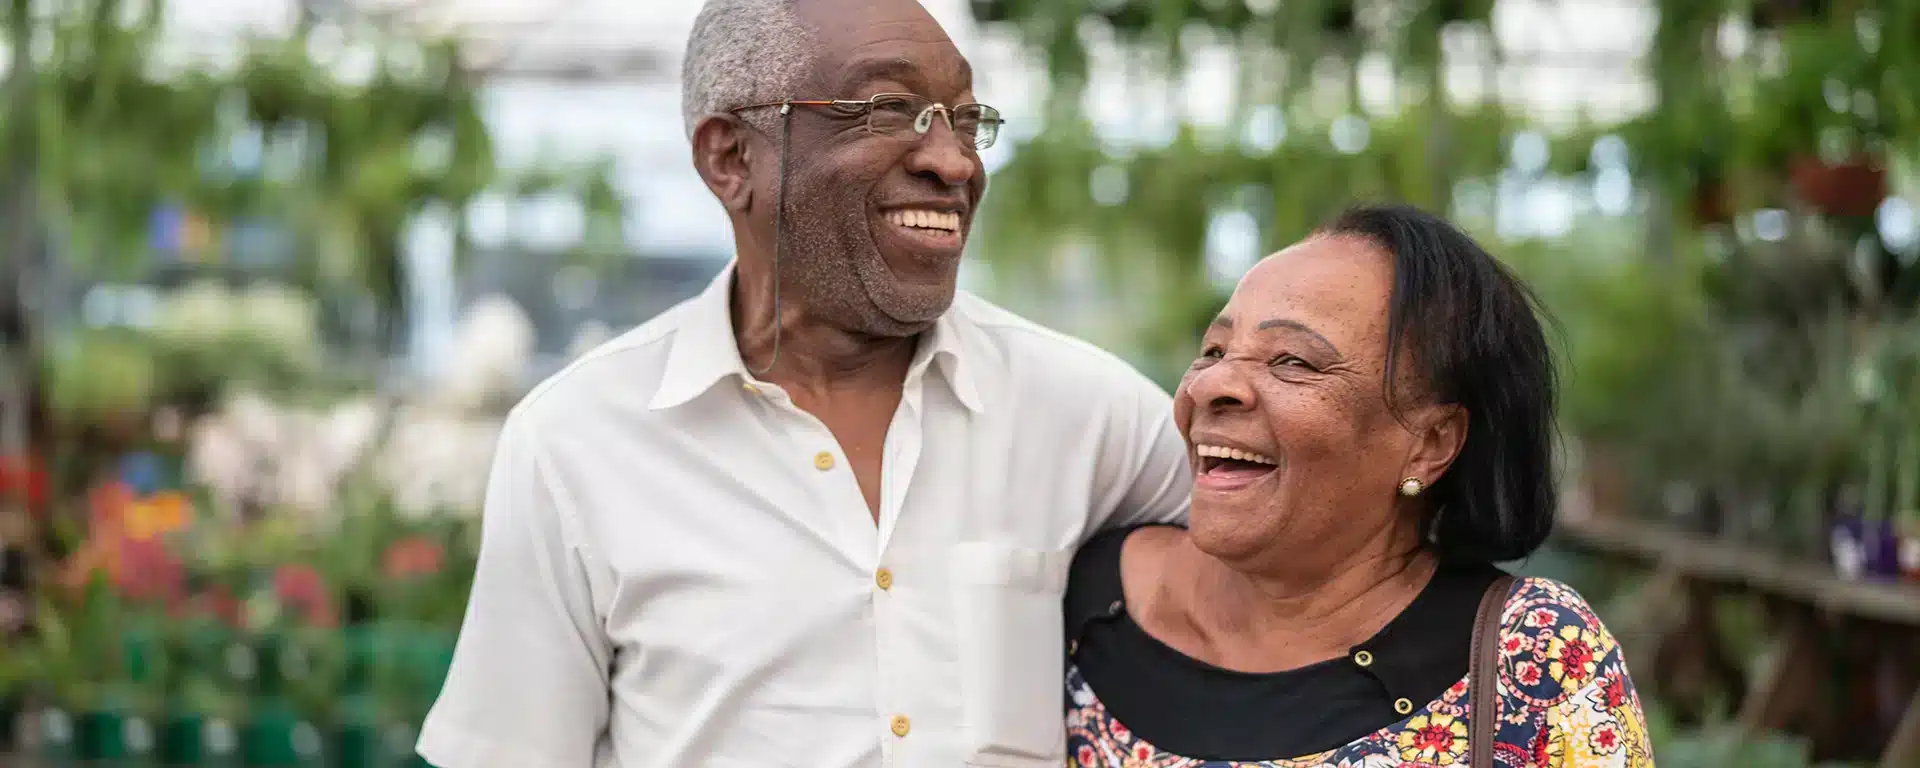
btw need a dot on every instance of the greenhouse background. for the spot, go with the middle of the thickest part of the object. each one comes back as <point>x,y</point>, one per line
<point>274,270</point>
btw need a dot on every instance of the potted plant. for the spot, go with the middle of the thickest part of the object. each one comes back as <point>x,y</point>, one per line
<point>90,701</point>
<point>1866,544</point>
<point>204,695</point>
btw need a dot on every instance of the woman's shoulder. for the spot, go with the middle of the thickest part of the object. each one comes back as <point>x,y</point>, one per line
<point>1565,692</point>
<point>1540,603</point>
<point>1553,645</point>
<point>1095,583</point>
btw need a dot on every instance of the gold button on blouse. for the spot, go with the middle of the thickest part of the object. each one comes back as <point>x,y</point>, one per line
<point>901,725</point>
<point>883,578</point>
<point>1403,706</point>
<point>823,461</point>
<point>750,388</point>
<point>1363,658</point>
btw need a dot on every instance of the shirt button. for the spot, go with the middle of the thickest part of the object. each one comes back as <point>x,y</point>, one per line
<point>750,388</point>
<point>1403,706</point>
<point>1116,608</point>
<point>901,725</point>
<point>1363,658</point>
<point>823,461</point>
<point>883,578</point>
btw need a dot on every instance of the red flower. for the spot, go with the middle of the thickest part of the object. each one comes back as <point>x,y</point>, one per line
<point>301,587</point>
<point>217,603</point>
<point>23,478</point>
<point>412,557</point>
<point>298,583</point>
<point>1537,749</point>
<point>1437,737</point>
<point>1528,673</point>
<point>1615,692</point>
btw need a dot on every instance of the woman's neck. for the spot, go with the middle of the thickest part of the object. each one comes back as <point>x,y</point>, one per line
<point>1275,619</point>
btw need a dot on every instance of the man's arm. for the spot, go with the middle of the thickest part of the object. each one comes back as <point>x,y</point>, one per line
<point>1146,458</point>
<point>528,686</point>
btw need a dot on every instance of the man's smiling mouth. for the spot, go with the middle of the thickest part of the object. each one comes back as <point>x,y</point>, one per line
<point>919,219</point>
<point>926,230</point>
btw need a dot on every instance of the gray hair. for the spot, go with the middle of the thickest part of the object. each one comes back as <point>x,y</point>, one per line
<point>742,52</point>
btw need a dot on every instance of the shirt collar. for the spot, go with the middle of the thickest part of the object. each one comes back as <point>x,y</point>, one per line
<point>703,351</point>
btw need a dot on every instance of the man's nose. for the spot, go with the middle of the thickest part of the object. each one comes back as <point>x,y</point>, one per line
<point>943,155</point>
<point>1221,386</point>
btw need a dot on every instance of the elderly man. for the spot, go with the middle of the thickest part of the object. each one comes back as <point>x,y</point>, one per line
<point>820,515</point>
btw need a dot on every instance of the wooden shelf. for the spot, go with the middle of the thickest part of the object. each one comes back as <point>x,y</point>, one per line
<point>1732,564</point>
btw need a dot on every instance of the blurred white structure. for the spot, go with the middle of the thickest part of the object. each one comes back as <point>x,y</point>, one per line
<point>578,79</point>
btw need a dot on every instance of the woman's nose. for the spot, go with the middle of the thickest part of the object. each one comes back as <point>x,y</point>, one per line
<point>1221,386</point>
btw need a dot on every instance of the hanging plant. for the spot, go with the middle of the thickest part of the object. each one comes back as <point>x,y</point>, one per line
<point>1337,18</point>
<point>991,11</point>
<point>1456,11</point>
<point>1817,123</point>
<point>280,81</point>
<point>1768,15</point>
<point>1711,202</point>
<point>1853,187</point>
<point>1128,18</point>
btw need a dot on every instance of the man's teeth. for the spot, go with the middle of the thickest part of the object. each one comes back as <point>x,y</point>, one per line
<point>949,222</point>
<point>1222,452</point>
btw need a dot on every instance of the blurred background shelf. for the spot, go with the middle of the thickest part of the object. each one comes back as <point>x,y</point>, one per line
<point>1743,567</point>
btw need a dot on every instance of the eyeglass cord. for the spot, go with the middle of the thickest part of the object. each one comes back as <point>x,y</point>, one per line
<point>779,238</point>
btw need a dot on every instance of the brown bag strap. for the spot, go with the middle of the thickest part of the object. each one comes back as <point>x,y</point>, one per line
<point>1483,678</point>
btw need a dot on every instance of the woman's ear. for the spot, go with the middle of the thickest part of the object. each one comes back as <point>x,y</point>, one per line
<point>1442,433</point>
<point>722,157</point>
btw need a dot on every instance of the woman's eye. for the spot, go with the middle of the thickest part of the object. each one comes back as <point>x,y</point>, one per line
<point>1291,361</point>
<point>1207,357</point>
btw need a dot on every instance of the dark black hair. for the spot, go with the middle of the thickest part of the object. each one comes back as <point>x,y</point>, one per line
<point>1471,328</point>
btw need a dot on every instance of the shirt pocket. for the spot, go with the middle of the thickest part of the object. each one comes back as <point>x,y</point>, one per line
<point>1009,632</point>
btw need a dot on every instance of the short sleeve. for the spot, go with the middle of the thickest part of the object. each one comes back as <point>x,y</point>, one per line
<point>1568,674</point>
<point>1146,460</point>
<point>528,687</point>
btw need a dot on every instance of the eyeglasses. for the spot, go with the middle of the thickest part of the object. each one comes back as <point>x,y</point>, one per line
<point>893,114</point>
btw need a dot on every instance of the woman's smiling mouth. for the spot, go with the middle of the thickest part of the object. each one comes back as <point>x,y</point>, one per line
<point>1224,468</point>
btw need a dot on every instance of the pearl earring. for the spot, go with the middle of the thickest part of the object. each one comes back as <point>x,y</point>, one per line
<point>1411,487</point>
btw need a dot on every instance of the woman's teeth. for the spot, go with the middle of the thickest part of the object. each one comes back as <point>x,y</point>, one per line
<point>948,222</point>
<point>1221,452</point>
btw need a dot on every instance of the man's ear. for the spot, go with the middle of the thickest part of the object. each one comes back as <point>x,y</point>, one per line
<point>722,157</point>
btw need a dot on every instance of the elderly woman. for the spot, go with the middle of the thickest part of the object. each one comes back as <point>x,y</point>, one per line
<point>1370,429</point>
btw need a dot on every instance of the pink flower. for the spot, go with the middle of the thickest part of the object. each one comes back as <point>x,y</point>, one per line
<point>148,571</point>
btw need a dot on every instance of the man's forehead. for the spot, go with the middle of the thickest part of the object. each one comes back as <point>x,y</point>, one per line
<point>862,41</point>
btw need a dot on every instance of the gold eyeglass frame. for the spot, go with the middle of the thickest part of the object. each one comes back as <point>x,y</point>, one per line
<point>922,122</point>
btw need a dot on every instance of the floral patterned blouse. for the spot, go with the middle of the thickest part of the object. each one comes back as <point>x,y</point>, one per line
<point>1565,701</point>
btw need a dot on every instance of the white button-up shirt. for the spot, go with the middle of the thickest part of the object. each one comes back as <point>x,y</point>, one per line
<point>678,569</point>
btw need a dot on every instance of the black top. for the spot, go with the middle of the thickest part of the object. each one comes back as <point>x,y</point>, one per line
<point>1191,708</point>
